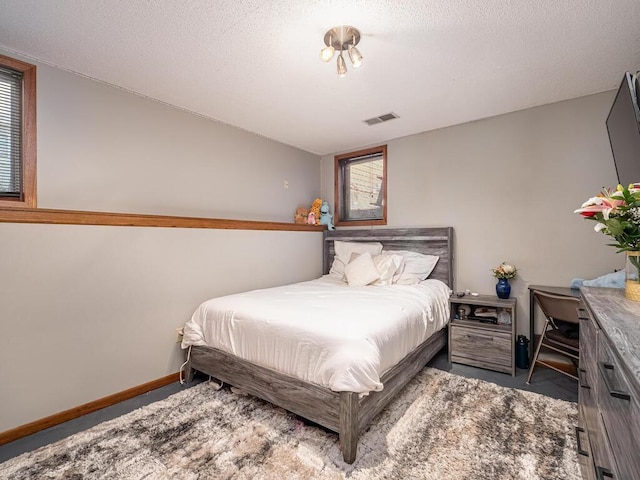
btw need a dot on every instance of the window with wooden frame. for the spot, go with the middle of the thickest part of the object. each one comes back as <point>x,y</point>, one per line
<point>17,133</point>
<point>361,187</point>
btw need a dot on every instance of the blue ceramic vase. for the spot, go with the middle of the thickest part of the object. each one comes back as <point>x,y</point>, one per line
<point>503,289</point>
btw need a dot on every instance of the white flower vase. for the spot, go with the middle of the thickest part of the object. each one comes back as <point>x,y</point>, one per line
<point>631,269</point>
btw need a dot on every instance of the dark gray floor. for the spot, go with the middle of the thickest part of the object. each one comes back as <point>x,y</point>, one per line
<point>544,381</point>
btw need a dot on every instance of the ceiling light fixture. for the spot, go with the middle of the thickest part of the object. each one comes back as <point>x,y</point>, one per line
<point>341,39</point>
<point>342,67</point>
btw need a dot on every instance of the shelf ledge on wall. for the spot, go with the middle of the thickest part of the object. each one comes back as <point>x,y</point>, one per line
<point>78,217</point>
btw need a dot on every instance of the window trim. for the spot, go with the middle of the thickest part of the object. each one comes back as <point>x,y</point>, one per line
<point>382,149</point>
<point>29,145</point>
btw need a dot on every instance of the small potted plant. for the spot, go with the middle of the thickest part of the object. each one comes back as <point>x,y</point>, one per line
<point>504,272</point>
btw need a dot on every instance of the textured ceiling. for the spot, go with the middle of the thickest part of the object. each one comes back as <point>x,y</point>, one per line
<point>255,63</point>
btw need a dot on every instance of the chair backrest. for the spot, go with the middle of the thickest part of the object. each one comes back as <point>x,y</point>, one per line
<point>558,307</point>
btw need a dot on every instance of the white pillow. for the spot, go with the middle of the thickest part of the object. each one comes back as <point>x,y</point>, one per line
<point>361,271</point>
<point>387,266</point>
<point>343,251</point>
<point>415,267</point>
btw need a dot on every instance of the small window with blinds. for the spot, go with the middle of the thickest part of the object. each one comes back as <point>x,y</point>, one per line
<point>17,133</point>
<point>361,187</point>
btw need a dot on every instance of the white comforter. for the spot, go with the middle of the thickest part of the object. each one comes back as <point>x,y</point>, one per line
<point>323,331</point>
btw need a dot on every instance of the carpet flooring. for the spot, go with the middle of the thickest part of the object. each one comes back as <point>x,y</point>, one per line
<point>441,426</point>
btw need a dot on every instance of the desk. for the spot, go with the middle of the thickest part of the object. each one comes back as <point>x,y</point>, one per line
<point>562,291</point>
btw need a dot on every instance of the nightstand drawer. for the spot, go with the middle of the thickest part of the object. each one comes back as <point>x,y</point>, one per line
<point>481,345</point>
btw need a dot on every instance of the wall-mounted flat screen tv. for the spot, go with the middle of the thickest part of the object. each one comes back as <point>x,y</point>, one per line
<point>623,125</point>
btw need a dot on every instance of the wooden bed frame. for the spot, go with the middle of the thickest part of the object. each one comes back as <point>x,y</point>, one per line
<point>346,413</point>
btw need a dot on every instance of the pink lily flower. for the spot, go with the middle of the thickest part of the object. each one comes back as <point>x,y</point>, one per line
<point>604,205</point>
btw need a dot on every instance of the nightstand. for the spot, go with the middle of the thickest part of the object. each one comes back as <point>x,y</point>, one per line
<point>473,337</point>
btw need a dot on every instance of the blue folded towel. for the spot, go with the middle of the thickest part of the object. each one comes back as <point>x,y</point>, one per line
<point>611,280</point>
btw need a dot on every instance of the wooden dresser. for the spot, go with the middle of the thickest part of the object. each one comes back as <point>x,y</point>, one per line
<point>608,433</point>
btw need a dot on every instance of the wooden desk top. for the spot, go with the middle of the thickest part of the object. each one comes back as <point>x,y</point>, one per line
<point>565,291</point>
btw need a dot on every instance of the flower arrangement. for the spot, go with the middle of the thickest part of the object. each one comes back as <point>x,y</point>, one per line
<point>504,270</point>
<point>618,215</point>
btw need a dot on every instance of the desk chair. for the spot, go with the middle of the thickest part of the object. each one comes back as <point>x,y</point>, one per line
<point>556,309</point>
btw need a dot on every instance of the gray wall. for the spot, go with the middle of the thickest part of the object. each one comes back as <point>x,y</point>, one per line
<point>100,148</point>
<point>88,311</point>
<point>508,185</point>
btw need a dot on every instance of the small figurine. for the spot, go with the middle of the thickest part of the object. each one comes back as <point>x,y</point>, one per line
<point>311,218</point>
<point>325,216</point>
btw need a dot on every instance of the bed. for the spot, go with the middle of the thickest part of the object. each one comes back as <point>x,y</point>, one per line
<point>342,403</point>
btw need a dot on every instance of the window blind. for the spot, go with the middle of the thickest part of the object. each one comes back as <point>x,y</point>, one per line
<point>10,133</point>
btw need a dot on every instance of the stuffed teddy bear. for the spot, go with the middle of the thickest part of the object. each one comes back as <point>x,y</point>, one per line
<point>301,215</point>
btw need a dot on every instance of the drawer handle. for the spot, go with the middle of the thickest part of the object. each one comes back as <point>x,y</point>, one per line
<point>602,472</point>
<point>582,385</point>
<point>480,339</point>
<point>582,452</point>
<point>605,376</point>
<point>582,314</point>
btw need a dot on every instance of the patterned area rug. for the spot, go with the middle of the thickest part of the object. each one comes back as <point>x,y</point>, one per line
<point>441,426</point>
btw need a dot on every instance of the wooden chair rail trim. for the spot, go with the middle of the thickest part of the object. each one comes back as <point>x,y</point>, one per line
<point>61,417</point>
<point>77,217</point>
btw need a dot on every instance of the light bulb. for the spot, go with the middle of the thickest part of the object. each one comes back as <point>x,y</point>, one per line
<point>326,53</point>
<point>342,67</point>
<point>355,56</point>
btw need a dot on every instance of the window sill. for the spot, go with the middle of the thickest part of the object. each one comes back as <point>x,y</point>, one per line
<point>359,223</point>
<point>15,203</point>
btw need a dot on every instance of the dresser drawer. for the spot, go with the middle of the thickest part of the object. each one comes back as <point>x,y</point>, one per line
<point>588,344</point>
<point>583,447</point>
<point>481,347</point>
<point>591,421</point>
<point>620,408</point>
<point>603,458</point>
<point>588,402</point>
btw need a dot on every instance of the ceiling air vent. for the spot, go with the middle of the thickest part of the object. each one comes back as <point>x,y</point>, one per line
<point>382,118</point>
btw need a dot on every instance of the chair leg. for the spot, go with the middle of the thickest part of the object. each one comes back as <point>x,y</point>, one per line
<point>535,356</point>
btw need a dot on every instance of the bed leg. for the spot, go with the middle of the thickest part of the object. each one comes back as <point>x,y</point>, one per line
<point>349,425</point>
<point>189,372</point>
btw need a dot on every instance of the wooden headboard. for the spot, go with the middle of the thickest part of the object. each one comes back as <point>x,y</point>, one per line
<point>429,241</point>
